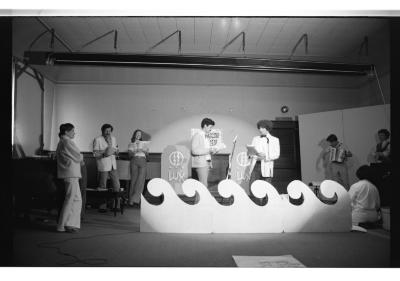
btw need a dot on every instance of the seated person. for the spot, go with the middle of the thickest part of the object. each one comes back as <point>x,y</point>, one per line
<point>382,153</point>
<point>365,201</point>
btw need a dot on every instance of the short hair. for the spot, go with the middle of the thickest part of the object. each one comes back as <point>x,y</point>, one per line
<point>106,126</point>
<point>134,135</point>
<point>384,132</point>
<point>363,172</point>
<point>207,122</point>
<point>267,124</point>
<point>66,127</point>
<point>331,138</point>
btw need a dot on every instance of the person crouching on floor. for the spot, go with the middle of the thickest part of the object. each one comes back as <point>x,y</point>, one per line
<point>365,201</point>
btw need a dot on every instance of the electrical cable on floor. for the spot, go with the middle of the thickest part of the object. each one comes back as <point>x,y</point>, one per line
<point>88,261</point>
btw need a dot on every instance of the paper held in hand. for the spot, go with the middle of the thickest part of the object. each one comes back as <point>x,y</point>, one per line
<point>251,150</point>
<point>219,146</point>
<point>144,145</point>
<point>110,151</point>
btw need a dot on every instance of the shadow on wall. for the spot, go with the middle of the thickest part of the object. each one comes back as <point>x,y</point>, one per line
<point>371,154</point>
<point>187,143</point>
<point>39,150</point>
<point>18,151</point>
<point>324,158</point>
<point>146,136</point>
<point>179,131</point>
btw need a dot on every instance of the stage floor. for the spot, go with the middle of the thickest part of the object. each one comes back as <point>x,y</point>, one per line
<point>105,240</point>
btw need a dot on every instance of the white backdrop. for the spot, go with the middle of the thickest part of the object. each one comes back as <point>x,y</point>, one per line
<point>356,127</point>
<point>167,113</point>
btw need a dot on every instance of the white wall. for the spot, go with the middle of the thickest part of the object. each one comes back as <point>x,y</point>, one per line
<point>49,102</point>
<point>28,114</point>
<point>168,112</point>
<point>153,99</point>
<point>357,128</point>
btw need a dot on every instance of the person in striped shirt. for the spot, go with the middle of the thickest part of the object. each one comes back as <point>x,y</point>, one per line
<point>338,155</point>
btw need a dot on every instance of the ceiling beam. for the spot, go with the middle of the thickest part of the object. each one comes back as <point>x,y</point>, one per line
<point>203,62</point>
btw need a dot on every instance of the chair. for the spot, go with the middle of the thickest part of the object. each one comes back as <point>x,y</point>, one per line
<point>109,194</point>
<point>123,169</point>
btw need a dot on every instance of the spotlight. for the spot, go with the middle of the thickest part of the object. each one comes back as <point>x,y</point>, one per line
<point>284,109</point>
<point>370,74</point>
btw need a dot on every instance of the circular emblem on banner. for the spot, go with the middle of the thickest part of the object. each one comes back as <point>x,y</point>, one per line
<point>242,159</point>
<point>176,158</point>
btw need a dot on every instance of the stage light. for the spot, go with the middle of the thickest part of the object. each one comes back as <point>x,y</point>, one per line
<point>284,109</point>
<point>191,61</point>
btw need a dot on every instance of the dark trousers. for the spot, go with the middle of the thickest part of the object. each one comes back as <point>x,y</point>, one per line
<point>257,175</point>
<point>382,176</point>
<point>115,185</point>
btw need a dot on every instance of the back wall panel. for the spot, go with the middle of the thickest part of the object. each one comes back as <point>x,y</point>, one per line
<point>168,112</point>
<point>356,127</point>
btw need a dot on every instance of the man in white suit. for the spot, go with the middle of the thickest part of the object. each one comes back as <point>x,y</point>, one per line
<point>268,150</point>
<point>105,150</point>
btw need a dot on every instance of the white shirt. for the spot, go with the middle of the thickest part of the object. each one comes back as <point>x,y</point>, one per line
<point>133,146</point>
<point>105,164</point>
<point>271,147</point>
<point>68,159</point>
<point>200,150</point>
<point>365,201</point>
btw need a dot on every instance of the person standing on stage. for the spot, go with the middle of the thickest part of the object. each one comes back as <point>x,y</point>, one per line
<point>105,149</point>
<point>382,152</point>
<point>338,155</point>
<point>382,166</point>
<point>137,154</point>
<point>201,151</point>
<point>69,160</point>
<point>268,150</point>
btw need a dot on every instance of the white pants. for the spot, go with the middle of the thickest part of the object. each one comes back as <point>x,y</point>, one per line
<point>338,173</point>
<point>71,211</point>
<point>364,216</point>
<point>202,174</point>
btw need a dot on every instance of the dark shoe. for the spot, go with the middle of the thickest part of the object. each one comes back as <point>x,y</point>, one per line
<point>103,210</point>
<point>71,229</point>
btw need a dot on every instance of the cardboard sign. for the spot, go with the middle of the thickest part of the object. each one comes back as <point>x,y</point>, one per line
<point>176,166</point>
<point>214,137</point>
<point>241,168</point>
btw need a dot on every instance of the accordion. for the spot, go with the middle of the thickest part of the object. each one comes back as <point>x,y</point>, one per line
<point>109,151</point>
<point>337,154</point>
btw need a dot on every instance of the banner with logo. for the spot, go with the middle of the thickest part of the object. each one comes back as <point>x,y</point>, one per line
<point>176,166</point>
<point>214,137</point>
<point>241,168</point>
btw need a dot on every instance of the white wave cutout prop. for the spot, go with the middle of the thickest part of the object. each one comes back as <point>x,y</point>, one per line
<point>278,215</point>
